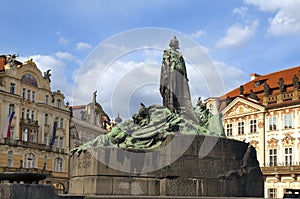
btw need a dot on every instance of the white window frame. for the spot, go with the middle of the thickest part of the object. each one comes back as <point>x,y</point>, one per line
<point>288,156</point>
<point>288,121</point>
<point>272,123</point>
<point>253,126</point>
<point>241,128</point>
<point>229,129</point>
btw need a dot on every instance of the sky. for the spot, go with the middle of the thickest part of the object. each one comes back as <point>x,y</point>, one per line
<point>116,47</point>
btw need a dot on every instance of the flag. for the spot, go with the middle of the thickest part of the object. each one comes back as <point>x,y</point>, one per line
<point>6,132</point>
<point>54,133</point>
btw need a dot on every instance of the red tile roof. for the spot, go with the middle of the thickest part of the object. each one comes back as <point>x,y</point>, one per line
<point>257,84</point>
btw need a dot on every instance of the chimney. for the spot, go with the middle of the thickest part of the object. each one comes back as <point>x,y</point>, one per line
<point>254,76</point>
<point>2,62</point>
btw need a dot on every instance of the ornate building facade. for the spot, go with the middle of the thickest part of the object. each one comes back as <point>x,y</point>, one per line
<point>87,123</point>
<point>34,121</point>
<point>266,113</point>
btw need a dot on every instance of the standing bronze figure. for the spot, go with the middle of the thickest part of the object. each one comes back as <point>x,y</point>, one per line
<point>174,87</point>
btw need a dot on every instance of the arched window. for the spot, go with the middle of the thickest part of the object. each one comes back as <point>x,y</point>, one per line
<point>30,160</point>
<point>58,164</point>
<point>10,158</point>
<point>29,79</point>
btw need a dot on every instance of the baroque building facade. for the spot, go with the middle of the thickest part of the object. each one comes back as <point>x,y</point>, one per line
<point>88,121</point>
<point>34,121</point>
<point>266,113</point>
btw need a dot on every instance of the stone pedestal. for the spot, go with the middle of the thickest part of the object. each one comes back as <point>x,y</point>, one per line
<point>185,165</point>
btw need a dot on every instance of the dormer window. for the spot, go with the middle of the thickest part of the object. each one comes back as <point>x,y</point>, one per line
<point>259,82</point>
<point>58,103</point>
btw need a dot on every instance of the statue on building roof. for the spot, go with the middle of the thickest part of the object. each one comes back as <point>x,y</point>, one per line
<point>94,96</point>
<point>241,90</point>
<point>296,82</point>
<point>281,84</point>
<point>253,95</point>
<point>47,75</point>
<point>266,89</point>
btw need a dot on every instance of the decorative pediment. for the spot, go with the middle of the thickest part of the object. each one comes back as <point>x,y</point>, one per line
<point>272,143</point>
<point>240,106</point>
<point>288,140</point>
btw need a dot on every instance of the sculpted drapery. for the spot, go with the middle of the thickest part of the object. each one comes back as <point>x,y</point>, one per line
<point>174,87</point>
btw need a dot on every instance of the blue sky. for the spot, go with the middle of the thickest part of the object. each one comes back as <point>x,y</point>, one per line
<point>240,37</point>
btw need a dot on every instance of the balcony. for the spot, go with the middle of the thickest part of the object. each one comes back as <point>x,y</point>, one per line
<point>30,122</point>
<point>33,145</point>
<point>26,170</point>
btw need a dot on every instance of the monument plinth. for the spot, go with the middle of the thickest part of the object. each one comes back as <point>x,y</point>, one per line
<point>229,169</point>
<point>169,150</point>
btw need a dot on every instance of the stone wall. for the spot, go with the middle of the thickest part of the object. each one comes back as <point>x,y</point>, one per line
<point>31,191</point>
<point>210,166</point>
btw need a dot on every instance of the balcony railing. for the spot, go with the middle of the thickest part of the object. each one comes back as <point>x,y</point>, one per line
<point>30,122</point>
<point>278,171</point>
<point>26,170</point>
<point>19,143</point>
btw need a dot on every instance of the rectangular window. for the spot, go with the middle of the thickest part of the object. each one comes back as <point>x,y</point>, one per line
<point>58,103</point>
<point>28,94</point>
<point>46,139</point>
<point>32,136</point>
<point>272,193</point>
<point>11,108</point>
<point>272,123</point>
<point>273,157</point>
<point>46,119</point>
<point>241,128</point>
<point>56,142</point>
<point>47,99</point>
<point>33,96</point>
<point>61,123</point>
<point>253,126</point>
<point>61,142</point>
<point>229,129</point>
<point>288,121</point>
<point>12,88</point>
<point>25,135</point>
<point>32,115</point>
<point>288,156</point>
<point>24,93</point>
<point>23,113</point>
<point>27,114</point>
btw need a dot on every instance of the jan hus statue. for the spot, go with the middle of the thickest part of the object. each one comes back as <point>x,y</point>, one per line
<point>174,87</point>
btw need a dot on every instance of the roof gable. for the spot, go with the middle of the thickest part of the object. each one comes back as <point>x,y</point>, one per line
<point>241,106</point>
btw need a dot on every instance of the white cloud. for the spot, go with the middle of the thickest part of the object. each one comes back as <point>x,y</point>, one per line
<point>286,20</point>
<point>198,34</point>
<point>122,85</point>
<point>231,76</point>
<point>64,55</point>
<point>284,23</point>
<point>83,46</point>
<point>63,41</point>
<point>242,11</point>
<point>237,35</point>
